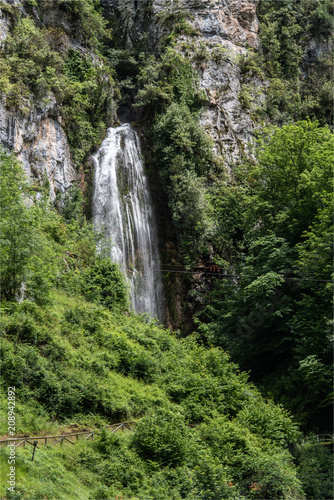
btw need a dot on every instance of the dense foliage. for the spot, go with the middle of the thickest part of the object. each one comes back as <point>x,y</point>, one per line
<point>170,100</point>
<point>69,358</point>
<point>183,155</point>
<point>268,224</point>
<point>295,64</point>
<point>71,345</point>
<point>272,308</point>
<point>38,67</point>
<point>40,251</point>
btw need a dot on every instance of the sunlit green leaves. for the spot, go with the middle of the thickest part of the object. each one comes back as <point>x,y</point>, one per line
<point>272,309</point>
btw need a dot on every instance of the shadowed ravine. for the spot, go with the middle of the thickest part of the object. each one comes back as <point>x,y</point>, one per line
<point>122,210</point>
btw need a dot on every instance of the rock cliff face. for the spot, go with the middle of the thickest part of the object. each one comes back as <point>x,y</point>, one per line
<point>220,32</point>
<point>224,29</point>
<point>38,138</point>
<point>4,27</point>
<point>41,144</point>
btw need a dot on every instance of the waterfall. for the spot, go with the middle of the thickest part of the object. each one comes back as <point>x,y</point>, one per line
<point>122,210</point>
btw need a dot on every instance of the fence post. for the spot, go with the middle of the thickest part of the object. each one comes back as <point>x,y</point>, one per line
<point>33,453</point>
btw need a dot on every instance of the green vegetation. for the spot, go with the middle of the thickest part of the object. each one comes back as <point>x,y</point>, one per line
<point>72,359</point>
<point>268,223</point>
<point>170,100</point>
<point>272,311</point>
<point>71,345</point>
<point>39,250</point>
<point>38,67</point>
<point>315,466</point>
<point>295,60</point>
<point>172,79</point>
<point>183,155</point>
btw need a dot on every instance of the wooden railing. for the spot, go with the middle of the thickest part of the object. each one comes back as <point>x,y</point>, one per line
<point>53,440</point>
<point>319,439</point>
<point>121,426</point>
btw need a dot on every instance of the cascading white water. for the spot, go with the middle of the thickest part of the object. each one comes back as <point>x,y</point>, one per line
<point>122,210</point>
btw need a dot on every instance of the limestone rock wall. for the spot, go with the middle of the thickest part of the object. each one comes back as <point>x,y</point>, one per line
<point>38,138</point>
<point>4,27</point>
<point>41,144</point>
<point>225,29</point>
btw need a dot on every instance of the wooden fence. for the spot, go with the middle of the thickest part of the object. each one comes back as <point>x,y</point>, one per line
<point>70,438</point>
<point>319,439</point>
<point>121,426</point>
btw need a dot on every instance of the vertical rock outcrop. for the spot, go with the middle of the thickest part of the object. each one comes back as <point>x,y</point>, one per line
<point>36,136</point>
<point>227,30</point>
<point>223,31</point>
<point>4,27</point>
<point>41,144</point>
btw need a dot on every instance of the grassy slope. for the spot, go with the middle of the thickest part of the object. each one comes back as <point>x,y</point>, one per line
<point>73,361</point>
<point>51,474</point>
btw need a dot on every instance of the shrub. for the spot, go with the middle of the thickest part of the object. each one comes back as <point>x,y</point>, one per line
<point>104,283</point>
<point>163,437</point>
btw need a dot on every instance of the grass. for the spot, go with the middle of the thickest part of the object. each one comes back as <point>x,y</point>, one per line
<point>76,364</point>
<point>54,473</point>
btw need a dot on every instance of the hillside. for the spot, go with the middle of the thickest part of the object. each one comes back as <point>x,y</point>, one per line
<point>70,359</point>
<point>172,158</point>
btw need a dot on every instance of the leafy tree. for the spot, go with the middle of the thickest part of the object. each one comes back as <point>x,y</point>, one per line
<point>163,437</point>
<point>17,234</point>
<point>184,154</point>
<point>293,171</point>
<point>29,66</point>
<point>104,283</point>
<point>315,262</point>
<point>169,80</point>
<point>71,205</point>
<point>272,308</point>
<point>300,87</point>
<point>248,311</point>
<point>315,470</point>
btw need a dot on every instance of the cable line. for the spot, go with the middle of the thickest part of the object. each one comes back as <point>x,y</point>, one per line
<point>235,276</point>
